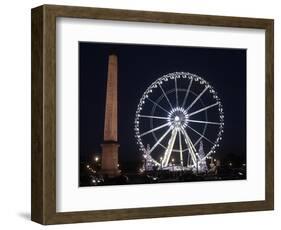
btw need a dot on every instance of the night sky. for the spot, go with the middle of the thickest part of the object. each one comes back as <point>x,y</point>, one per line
<point>138,67</point>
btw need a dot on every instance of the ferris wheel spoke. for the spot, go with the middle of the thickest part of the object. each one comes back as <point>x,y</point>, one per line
<point>158,105</point>
<point>160,139</point>
<point>176,88</point>
<point>203,109</point>
<point>155,117</point>
<point>201,135</point>
<point>187,92</point>
<point>181,158</point>
<point>169,149</point>
<point>190,146</point>
<point>152,130</point>
<point>197,142</point>
<point>197,98</point>
<point>204,122</point>
<point>165,95</point>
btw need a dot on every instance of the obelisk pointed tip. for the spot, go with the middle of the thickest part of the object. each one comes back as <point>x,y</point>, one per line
<point>112,58</point>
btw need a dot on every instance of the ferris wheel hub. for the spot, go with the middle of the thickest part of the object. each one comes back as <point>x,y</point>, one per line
<point>178,117</point>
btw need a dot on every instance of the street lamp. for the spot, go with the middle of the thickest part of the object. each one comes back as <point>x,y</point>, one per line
<point>97,159</point>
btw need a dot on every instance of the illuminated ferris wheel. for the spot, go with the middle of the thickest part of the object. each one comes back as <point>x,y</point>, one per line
<point>176,114</point>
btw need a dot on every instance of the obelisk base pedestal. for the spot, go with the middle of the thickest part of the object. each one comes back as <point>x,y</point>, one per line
<point>109,163</point>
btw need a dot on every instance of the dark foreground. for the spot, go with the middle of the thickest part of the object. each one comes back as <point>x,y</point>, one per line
<point>161,176</point>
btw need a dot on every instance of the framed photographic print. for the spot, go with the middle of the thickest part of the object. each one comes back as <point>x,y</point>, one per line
<point>147,114</point>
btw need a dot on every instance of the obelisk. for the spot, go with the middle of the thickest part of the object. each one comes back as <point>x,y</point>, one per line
<point>109,164</point>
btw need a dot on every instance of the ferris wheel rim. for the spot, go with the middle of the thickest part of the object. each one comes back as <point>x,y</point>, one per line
<point>191,77</point>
